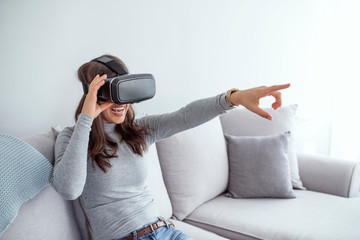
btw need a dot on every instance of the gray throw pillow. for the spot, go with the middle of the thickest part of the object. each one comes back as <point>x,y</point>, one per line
<point>253,125</point>
<point>259,167</point>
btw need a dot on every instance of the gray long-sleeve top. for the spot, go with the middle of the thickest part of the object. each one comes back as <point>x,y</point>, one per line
<point>118,202</point>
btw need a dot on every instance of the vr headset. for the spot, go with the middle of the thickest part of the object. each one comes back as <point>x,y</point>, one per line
<point>124,88</point>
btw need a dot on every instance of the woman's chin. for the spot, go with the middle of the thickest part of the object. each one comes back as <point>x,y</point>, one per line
<point>119,121</point>
<point>116,120</point>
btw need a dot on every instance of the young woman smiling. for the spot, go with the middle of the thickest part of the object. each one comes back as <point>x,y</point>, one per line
<point>100,159</point>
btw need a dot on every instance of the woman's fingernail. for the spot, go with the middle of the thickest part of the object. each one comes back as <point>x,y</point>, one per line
<point>269,118</point>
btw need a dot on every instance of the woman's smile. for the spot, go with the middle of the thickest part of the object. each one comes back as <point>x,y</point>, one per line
<point>115,113</point>
<point>118,111</point>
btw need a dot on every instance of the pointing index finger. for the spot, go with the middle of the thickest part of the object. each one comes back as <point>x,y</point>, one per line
<point>277,87</point>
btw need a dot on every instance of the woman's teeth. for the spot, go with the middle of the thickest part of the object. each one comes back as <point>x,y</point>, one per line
<point>119,110</point>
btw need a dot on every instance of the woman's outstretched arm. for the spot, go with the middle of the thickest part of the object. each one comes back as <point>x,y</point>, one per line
<point>203,110</point>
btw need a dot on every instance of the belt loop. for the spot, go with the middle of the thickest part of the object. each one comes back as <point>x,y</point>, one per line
<point>134,235</point>
<point>167,224</point>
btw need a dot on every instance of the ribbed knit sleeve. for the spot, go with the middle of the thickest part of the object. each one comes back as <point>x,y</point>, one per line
<point>192,115</point>
<point>70,167</point>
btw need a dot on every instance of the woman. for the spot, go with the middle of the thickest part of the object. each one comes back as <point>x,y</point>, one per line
<point>100,160</point>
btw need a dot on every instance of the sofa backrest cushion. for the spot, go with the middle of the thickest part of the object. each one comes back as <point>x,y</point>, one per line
<point>242,122</point>
<point>157,185</point>
<point>44,142</point>
<point>195,166</point>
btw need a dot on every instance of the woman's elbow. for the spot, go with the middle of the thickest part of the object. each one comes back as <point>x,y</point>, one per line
<point>68,192</point>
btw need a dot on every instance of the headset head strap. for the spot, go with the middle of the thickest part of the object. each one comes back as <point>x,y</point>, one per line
<point>110,63</point>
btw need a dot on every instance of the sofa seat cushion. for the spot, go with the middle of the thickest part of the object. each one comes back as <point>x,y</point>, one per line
<point>311,215</point>
<point>195,232</point>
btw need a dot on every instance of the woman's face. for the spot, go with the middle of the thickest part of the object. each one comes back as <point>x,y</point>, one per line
<point>115,113</point>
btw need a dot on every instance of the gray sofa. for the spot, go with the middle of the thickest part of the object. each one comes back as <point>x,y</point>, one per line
<point>189,178</point>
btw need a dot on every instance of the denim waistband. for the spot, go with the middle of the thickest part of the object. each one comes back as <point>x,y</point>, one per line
<point>144,226</point>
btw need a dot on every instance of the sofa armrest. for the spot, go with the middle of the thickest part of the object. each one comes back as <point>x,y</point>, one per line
<point>329,175</point>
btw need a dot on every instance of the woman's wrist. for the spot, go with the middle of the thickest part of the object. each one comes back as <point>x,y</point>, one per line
<point>86,115</point>
<point>85,120</point>
<point>229,97</point>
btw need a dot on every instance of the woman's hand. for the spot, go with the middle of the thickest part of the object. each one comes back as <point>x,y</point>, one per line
<point>91,107</point>
<point>250,98</point>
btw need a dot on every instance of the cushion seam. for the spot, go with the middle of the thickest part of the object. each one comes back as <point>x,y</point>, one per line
<point>227,229</point>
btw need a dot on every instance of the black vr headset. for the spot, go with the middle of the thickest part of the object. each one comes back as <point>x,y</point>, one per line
<point>124,88</point>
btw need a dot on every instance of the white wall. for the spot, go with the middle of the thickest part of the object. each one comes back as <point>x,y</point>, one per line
<point>194,48</point>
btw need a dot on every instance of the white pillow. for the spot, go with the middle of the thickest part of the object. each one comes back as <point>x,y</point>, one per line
<point>242,122</point>
<point>195,166</point>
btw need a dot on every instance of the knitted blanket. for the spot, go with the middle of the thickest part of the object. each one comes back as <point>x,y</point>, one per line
<point>24,172</point>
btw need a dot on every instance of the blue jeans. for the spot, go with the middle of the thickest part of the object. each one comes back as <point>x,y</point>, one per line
<point>163,233</point>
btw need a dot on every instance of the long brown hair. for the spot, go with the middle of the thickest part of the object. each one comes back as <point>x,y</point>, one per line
<point>101,147</point>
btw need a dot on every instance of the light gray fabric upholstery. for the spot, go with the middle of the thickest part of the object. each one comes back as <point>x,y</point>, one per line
<point>259,166</point>
<point>195,232</point>
<point>156,184</point>
<point>329,175</point>
<point>355,182</point>
<point>46,216</point>
<point>221,231</point>
<point>194,164</point>
<point>44,142</point>
<point>242,122</point>
<point>310,216</point>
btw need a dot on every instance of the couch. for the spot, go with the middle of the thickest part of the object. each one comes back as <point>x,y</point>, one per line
<point>189,174</point>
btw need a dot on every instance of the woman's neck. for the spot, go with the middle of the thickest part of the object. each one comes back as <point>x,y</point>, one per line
<point>109,127</point>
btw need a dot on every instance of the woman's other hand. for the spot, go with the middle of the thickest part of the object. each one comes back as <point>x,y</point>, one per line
<point>250,98</point>
<point>91,107</point>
